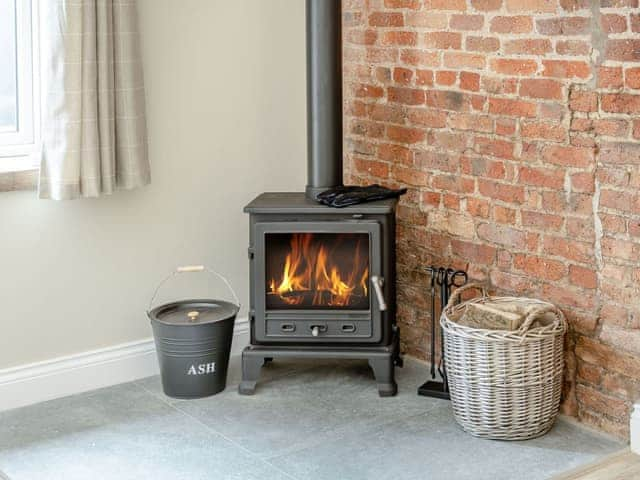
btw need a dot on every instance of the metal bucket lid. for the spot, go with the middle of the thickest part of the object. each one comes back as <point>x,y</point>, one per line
<point>193,312</point>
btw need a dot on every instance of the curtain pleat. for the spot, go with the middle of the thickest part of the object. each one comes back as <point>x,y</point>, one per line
<point>94,137</point>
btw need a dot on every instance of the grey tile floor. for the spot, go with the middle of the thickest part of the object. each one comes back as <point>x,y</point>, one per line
<point>306,421</point>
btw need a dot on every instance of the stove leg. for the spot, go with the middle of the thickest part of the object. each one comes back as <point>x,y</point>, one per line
<point>383,370</point>
<point>251,366</point>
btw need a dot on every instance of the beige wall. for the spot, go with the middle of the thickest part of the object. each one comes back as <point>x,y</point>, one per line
<point>225,93</point>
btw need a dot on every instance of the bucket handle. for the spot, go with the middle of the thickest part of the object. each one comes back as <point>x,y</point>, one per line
<point>194,269</point>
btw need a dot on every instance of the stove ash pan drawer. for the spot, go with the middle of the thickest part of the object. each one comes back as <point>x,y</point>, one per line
<point>349,330</point>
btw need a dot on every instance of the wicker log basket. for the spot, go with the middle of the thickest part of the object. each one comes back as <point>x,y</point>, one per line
<point>504,385</point>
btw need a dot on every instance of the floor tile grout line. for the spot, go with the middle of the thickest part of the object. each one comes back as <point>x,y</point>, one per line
<point>213,430</point>
<point>233,442</point>
<point>354,434</point>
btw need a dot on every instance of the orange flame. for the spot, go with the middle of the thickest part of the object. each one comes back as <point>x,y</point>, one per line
<point>309,268</point>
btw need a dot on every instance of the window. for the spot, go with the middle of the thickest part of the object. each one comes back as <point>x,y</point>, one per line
<point>19,102</point>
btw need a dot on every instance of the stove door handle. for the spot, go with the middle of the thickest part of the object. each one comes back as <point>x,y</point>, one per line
<point>378,283</point>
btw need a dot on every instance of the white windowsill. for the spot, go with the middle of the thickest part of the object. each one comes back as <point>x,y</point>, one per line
<point>19,172</point>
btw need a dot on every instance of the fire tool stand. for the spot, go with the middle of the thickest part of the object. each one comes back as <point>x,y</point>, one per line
<point>445,278</point>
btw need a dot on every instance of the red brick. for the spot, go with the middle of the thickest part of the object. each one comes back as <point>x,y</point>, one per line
<point>394,153</point>
<point>513,108</point>
<point>494,147</point>
<point>583,182</point>
<point>596,401</point>
<point>513,66</point>
<point>453,183</point>
<point>477,207</point>
<point>574,5</point>
<point>424,77</point>
<point>636,129</point>
<point>534,6</point>
<point>563,26</point>
<point>430,160</point>
<point>542,177</point>
<point>622,201</point>
<point>448,100</point>
<point>541,88</point>
<point>403,76</point>
<point>372,167</point>
<point>619,3</point>
<point>431,198</point>
<point>505,126</point>
<point>623,50</point>
<point>612,23</point>
<point>504,215</point>
<point>427,20</point>
<point>583,101</point>
<point>482,44</point>
<point>610,358</point>
<point>485,167</point>
<point>476,253</point>
<point>384,19</point>
<point>421,58</point>
<point>632,77</point>
<point>573,47</point>
<point>412,4</point>
<point>515,24</point>
<point>370,129</point>
<point>469,81</point>
<point>621,103</point>
<point>464,60</point>
<point>407,96</point>
<point>405,135</point>
<point>611,127</point>
<point>466,22</point>
<point>501,191</point>
<point>360,37</point>
<point>445,5</point>
<point>409,176</point>
<point>387,113</point>
<point>566,69</point>
<point>568,156</point>
<point>609,77</point>
<point>486,5</point>
<point>529,46</point>
<point>570,249</point>
<point>634,19</point>
<point>518,284</point>
<point>544,131</point>
<point>539,267</point>
<point>427,117</point>
<point>502,235</point>
<point>446,78</point>
<point>399,38</point>
<point>583,277</point>
<point>443,40</point>
<point>370,91</point>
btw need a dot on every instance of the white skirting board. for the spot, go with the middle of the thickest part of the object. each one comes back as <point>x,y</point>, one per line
<point>60,377</point>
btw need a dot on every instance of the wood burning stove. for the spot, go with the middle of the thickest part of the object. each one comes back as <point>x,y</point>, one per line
<point>322,279</point>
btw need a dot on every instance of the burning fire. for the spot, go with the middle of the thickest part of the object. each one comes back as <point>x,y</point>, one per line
<point>311,273</point>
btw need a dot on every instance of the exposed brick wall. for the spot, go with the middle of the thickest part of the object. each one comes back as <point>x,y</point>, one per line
<point>516,126</point>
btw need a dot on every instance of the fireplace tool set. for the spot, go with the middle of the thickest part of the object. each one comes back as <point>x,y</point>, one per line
<point>445,279</point>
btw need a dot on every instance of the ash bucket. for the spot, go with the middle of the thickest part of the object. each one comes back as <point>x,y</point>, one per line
<point>193,340</point>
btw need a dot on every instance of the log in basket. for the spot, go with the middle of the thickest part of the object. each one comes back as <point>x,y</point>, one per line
<point>504,385</point>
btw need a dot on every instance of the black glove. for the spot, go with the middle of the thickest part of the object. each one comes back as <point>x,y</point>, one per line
<point>339,197</point>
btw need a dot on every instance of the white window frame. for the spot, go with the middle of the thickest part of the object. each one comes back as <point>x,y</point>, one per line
<point>19,150</point>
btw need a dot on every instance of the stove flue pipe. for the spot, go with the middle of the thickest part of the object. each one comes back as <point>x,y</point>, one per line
<point>324,95</point>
